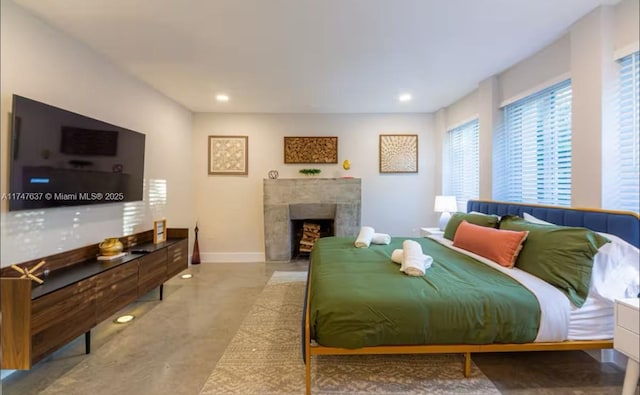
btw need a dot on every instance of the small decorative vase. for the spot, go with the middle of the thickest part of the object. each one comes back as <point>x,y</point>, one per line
<point>110,246</point>
<point>195,257</point>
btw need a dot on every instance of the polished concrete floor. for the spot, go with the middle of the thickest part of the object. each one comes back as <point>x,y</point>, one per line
<point>172,346</point>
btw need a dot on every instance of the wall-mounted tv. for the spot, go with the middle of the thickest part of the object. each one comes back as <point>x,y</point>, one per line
<point>60,158</point>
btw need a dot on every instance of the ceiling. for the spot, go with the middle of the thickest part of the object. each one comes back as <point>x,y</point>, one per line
<point>309,56</point>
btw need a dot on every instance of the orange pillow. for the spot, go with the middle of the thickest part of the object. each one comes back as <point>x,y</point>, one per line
<point>501,246</point>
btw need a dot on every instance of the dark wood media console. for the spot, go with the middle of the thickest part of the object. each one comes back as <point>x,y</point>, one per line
<point>79,292</point>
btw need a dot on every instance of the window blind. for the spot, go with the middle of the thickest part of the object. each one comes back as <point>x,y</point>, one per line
<point>623,168</point>
<point>462,177</point>
<point>532,150</point>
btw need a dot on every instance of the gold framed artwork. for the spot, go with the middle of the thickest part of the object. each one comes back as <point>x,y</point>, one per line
<point>229,155</point>
<point>311,149</point>
<point>398,153</point>
<point>159,231</point>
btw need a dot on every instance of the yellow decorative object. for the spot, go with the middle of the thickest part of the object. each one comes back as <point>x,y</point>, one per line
<point>346,164</point>
<point>28,273</point>
<point>110,246</point>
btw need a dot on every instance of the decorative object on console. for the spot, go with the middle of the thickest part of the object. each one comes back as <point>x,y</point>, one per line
<point>28,273</point>
<point>309,172</point>
<point>195,258</point>
<point>311,150</point>
<point>229,155</point>
<point>273,174</point>
<point>159,231</point>
<point>445,205</point>
<point>111,257</point>
<point>110,246</point>
<point>398,153</point>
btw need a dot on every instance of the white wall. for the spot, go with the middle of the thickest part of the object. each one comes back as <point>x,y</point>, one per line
<point>627,21</point>
<point>593,80</point>
<point>229,208</point>
<point>524,77</point>
<point>489,119</point>
<point>585,54</point>
<point>462,111</point>
<point>42,63</point>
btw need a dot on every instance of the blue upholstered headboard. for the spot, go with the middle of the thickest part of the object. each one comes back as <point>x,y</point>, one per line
<point>622,224</point>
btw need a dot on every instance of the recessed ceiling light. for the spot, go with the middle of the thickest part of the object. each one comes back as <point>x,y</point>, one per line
<point>222,97</point>
<point>186,275</point>
<point>123,319</point>
<point>405,97</point>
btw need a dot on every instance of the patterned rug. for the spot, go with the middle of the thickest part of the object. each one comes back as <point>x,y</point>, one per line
<point>264,358</point>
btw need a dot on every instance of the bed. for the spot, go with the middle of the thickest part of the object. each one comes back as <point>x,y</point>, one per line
<point>358,303</point>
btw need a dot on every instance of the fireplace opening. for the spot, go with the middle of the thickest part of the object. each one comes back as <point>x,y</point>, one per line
<point>306,232</point>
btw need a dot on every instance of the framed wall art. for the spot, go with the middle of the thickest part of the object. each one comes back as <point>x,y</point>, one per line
<point>311,150</point>
<point>229,155</point>
<point>398,153</point>
<point>159,231</point>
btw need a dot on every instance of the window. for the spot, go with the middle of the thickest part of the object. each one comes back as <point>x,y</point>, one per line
<point>462,164</point>
<point>532,151</point>
<point>621,173</point>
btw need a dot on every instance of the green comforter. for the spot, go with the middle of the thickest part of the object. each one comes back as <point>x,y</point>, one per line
<point>359,298</point>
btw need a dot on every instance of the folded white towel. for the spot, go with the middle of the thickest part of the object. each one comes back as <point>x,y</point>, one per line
<point>398,254</point>
<point>381,238</point>
<point>414,271</point>
<point>364,237</point>
<point>413,263</point>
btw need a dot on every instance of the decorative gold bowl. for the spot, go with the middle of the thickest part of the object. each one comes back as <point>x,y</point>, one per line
<point>110,246</point>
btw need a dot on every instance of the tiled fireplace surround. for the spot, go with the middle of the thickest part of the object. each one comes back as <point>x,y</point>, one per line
<point>307,198</point>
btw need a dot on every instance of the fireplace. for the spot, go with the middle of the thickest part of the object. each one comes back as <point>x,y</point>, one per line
<point>303,239</point>
<point>293,200</point>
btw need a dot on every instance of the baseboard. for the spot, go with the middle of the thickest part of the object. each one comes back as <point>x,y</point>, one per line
<point>4,374</point>
<point>609,355</point>
<point>619,359</point>
<point>232,257</point>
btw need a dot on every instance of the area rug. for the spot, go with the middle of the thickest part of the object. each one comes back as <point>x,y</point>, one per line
<point>264,358</point>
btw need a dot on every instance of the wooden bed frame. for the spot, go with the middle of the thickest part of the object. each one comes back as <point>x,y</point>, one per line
<point>465,349</point>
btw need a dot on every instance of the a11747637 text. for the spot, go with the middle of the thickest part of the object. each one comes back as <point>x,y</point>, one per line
<point>64,196</point>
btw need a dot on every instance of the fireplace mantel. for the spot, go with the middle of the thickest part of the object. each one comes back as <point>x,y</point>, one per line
<point>281,194</point>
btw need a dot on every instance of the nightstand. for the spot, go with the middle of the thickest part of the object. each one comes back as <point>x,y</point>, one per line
<point>626,340</point>
<point>426,232</point>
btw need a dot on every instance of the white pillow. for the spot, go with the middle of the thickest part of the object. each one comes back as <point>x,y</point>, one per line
<point>535,220</point>
<point>616,267</point>
<point>616,270</point>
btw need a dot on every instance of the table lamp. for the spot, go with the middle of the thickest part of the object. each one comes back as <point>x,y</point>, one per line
<point>445,205</point>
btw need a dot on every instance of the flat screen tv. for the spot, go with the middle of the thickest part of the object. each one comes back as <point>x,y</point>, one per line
<point>60,158</point>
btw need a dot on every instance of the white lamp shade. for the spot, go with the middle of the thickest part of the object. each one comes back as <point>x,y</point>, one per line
<point>445,204</point>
